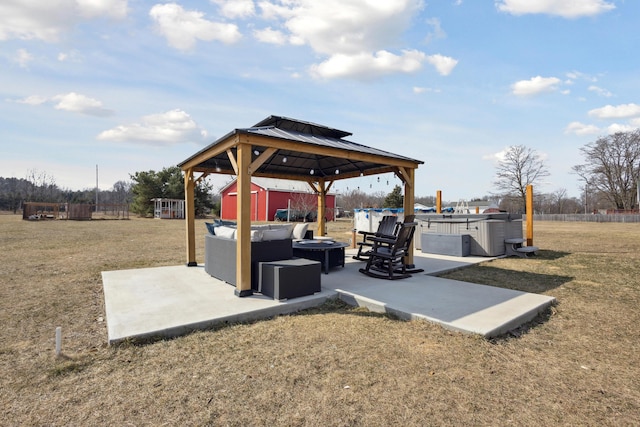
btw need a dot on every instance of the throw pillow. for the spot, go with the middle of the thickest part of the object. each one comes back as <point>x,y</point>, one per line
<point>224,231</point>
<point>256,235</point>
<point>211,227</point>
<point>300,230</point>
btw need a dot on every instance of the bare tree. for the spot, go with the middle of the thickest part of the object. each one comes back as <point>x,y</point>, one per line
<point>356,198</point>
<point>122,192</point>
<point>305,203</point>
<point>43,187</point>
<point>559,200</point>
<point>520,167</point>
<point>613,168</point>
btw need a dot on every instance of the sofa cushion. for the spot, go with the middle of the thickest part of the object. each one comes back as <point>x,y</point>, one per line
<point>277,234</point>
<point>225,231</point>
<point>256,235</point>
<point>299,231</point>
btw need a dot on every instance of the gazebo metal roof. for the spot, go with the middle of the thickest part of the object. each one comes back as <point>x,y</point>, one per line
<point>305,151</point>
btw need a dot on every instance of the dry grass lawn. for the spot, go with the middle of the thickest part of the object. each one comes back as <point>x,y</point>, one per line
<point>579,364</point>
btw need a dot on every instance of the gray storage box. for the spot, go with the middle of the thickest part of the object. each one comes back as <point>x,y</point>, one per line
<point>289,278</point>
<point>446,244</point>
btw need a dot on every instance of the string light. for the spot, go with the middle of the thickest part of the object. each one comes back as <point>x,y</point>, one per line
<point>312,171</point>
<point>284,160</point>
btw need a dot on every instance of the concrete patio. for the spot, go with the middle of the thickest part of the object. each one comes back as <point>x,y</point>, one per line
<point>170,301</point>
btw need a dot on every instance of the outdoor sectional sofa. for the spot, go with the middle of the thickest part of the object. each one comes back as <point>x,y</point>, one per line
<point>268,243</point>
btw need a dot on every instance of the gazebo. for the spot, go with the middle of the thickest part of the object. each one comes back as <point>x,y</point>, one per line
<point>281,147</point>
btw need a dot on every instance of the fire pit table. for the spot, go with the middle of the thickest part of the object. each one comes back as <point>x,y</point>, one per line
<point>328,252</point>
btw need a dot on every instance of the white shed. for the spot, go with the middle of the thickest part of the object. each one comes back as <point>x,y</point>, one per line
<point>168,208</point>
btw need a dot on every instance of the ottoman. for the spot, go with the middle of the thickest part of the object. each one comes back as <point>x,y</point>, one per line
<point>289,278</point>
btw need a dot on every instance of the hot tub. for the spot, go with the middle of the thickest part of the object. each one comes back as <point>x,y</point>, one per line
<point>487,232</point>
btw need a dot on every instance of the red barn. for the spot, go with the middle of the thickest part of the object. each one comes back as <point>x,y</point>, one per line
<point>269,195</point>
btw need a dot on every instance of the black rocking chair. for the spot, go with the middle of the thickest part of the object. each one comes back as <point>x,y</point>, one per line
<point>387,228</point>
<point>386,259</point>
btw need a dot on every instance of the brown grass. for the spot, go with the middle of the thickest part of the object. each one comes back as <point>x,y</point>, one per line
<point>577,365</point>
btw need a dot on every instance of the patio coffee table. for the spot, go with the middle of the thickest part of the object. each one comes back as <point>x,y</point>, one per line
<point>328,252</point>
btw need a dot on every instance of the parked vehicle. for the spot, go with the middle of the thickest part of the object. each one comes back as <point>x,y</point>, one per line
<point>294,215</point>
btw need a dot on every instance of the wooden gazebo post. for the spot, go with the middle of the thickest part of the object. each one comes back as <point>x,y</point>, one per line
<point>243,237</point>
<point>190,215</point>
<point>322,207</point>
<point>408,204</point>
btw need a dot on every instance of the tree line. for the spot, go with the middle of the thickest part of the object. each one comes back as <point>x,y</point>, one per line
<point>610,171</point>
<point>137,193</point>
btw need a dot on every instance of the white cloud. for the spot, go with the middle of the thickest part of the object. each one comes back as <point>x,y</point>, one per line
<point>367,66</point>
<point>72,102</point>
<point>564,8</point>
<point>575,75</point>
<point>47,20</point>
<point>236,8</point>
<point>183,28</point>
<point>358,38</point>
<point>581,129</point>
<point>110,8</point>
<point>23,57</point>
<point>616,112</point>
<point>269,35</point>
<point>271,11</point>
<point>350,26</point>
<point>33,100</point>
<point>617,127</point>
<point>437,31</point>
<point>73,56</point>
<point>496,157</point>
<point>600,91</point>
<point>78,103</point>
<point>171,127</point>
<point>419,89</point>
<point>535,85</point>
<point>443,64</point>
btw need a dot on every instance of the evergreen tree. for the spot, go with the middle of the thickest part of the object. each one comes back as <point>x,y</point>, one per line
<point>166,184</point>
<point>395,199</point>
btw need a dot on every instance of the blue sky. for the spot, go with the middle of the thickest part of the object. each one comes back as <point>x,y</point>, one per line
<point>136,85</point>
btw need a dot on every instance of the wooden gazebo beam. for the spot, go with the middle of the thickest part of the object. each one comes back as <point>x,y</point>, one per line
<point>278,144</point>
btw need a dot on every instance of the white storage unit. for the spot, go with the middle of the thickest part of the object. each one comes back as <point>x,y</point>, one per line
<point>369,219</point>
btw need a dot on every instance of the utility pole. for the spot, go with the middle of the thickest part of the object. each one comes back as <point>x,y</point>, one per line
<point>97,189</point>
